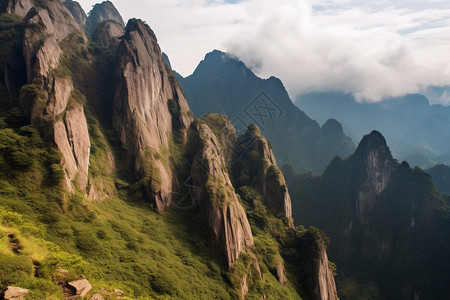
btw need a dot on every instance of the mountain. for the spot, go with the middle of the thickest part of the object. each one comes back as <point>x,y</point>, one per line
<point>223,84</point>
<point>416,130</point>
<point>441,177</point>
<point>105,11</point>
<point>77,11</point>
<point>110,188</point>
<point>386,221</point>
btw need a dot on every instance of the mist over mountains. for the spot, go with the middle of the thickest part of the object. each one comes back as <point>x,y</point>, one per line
<point>415,130</point>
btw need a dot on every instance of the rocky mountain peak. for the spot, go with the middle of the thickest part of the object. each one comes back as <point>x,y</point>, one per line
<point>107,34</point>
<point>77,11</point>
<point>222,83</point>
<point>47,97</point>
<point>374,154</point>
<point>148,107</point>
<point>373,141</point>
<point>332,125</point>
<point>225,63</point>
<point>256,159</point>
<point>105,11</point>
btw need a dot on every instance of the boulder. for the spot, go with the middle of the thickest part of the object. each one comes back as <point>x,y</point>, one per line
<point>13,292</point>
<point>81,286</point>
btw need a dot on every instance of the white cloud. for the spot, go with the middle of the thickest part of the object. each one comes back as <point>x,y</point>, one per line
<point>373,49</point>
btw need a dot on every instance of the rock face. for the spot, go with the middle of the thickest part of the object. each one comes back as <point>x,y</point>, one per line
<point>77,11</point>
<point>19,7</point>
<point>325,288</point>
<point>316,275</point>
<point>379,165</point>
<point>48,23</point>
<point>142,117</point>
<point>218,203</point>
<point>266,177</point>
<point>107,34</point>
<point>105,11</point>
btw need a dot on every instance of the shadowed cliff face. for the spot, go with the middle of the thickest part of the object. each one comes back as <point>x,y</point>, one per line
<point>141,116</point>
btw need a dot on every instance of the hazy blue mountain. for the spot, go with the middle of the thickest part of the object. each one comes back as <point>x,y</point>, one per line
<point>223,84</point>
<point>441,177</point>
<point>416,131</point>
<point>387,224</point>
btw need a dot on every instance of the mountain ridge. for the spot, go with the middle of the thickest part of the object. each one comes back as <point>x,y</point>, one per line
<point>415,129</point>
<point>108,179</point>
<point>229,87</point>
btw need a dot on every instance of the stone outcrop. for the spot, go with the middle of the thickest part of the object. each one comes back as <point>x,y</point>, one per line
<point>77,11</point>
<point>48,24</point>
<point>219,205</point>
<point>105,11</point>
<point>107,34</point>
<point>148,107</point>
<point>325,288</point>
<point>268,179</point>
<point>379,166</point>
<point>96,297</point>
<point>72,139</point>
<point>316,274</point>
<point>19,7</point>
<point>81,286</point>
<point>14,293</point>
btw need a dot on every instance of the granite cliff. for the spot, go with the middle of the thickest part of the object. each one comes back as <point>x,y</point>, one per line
<point>107,125</point>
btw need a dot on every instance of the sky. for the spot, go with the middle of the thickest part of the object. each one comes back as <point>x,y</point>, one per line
<point>372,49</point>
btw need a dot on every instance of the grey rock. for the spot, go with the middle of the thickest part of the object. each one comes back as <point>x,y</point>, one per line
<point>141,115</point>
<point>218,203</point>
<point>107,34</point>
<point>96,297</point>
<point>82,287</point>
<point>13,293</point>
<point>77,11</point>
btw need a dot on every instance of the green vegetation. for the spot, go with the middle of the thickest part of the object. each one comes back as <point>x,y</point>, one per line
<point>11,36</point>
<point>118,243</point>
<point>49,236</point>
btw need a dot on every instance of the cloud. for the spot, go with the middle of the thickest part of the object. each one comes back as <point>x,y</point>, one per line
<point>373,49</point>
<point>354,49</point>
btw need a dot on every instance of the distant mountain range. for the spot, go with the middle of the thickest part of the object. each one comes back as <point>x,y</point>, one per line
<point>416,131</point>
<point>223,84</point>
